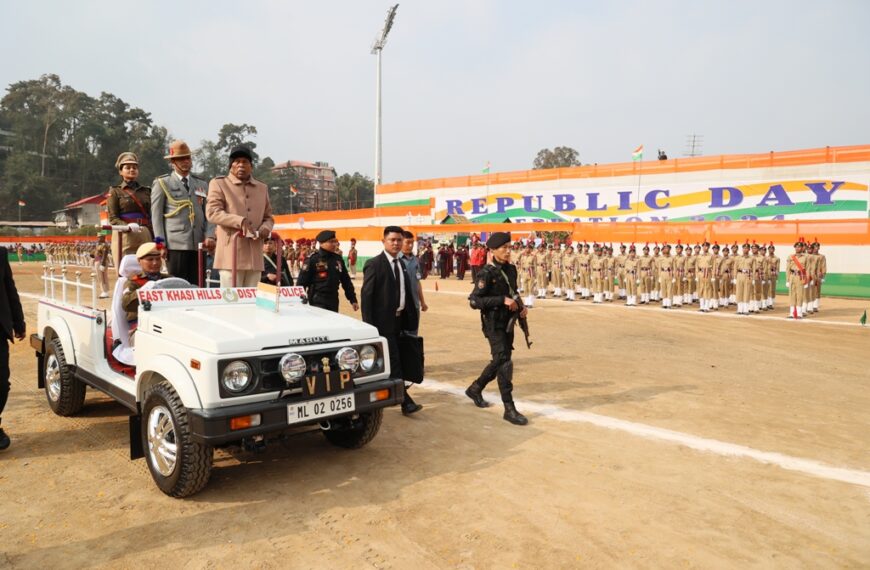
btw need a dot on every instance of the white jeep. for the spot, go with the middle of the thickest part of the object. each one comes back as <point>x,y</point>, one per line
<point>215,368</point>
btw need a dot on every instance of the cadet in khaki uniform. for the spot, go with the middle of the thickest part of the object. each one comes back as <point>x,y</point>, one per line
<point>655,293</point>
<point>584,277</point>
<point>811,267</point>
<point>691,281</point>
<point>667,276</point>
<point>679,261</point>
<point>744,268</point>
<point>527,273</point>
<point>704,276</point>
<point>755,304</point>
<point>129,204</point>
<point>821,273</point>
<point>631,277</point>
<point>556,271</point>
<point>542,262</point>
<point>609,272</point>
<point>646,267</point>
<point>716,280</point>
<point>597,266</point>
<point>569,268</point>
<point>726,274</point>
<point>773,266</point>
<point>796,280</point>
<point>101,264</point>
<point>620,270</point>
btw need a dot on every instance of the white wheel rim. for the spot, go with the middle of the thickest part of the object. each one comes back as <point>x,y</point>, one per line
<point>52,377</point>
<point>162,446</point>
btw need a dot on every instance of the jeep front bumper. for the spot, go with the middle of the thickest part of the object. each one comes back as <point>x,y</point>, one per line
<point>212,427</point>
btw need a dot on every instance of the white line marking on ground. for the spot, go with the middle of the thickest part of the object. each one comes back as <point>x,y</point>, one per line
<point>807,466</point>
<point>778,315</point>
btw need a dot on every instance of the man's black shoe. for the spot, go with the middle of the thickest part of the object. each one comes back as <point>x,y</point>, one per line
<point>4,440</point>
<point>513,416</point>
<point>474,392</point>
<point>409,406</point>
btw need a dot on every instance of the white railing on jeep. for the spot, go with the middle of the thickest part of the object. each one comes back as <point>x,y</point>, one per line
<point>49,279</point>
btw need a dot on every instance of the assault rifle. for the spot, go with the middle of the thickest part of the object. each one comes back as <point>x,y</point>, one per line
<point>524,321</point>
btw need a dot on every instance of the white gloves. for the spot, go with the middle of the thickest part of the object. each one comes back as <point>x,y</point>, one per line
<point>787,285</point>
<point>673,280</point>
<point>134,228</point>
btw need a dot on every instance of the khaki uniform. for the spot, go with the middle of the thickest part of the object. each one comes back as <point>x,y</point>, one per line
<point>620,273</point>
<point>584,275</point>
<point>810,292</point>
<point>555,268</point>
<point>646,268</point>
<point>631,279</point>
<point>690,292</point>
<point>542,262</point>
<point>101,263</point>
<point>744,268</point>
<point>129,203</point>
<point>569,272</point>
<point>597,268</point>
<point>704,275</point>
<point>797,281</point>
<point>667,277</point>
<point>726,275</point>
<point>678,294</point>
<point>821,272</point>
<point>773,266</point>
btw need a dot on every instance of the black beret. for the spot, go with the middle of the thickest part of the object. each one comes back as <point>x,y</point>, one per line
<point>498,239</point>
<point>325,235</point>
<point>241,152</point>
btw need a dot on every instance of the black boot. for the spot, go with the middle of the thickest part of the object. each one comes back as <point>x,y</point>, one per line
<point>513,416</point>
<point>4,440</point>
<point>409,406</point>
<point>475,393</point>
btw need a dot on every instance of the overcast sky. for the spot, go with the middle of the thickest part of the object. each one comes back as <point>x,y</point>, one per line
<point>466,82</point>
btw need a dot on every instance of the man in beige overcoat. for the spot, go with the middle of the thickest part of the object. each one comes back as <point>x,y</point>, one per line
<point>238,202</point>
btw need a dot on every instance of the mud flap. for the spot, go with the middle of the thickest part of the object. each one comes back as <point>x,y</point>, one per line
<point>136,449</point>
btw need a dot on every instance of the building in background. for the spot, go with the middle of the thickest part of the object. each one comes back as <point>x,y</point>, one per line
<point>84,212</point>
<point>313,181</point>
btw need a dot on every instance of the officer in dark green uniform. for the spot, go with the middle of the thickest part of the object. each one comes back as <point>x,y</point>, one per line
<point>495,296</point>
<point>322,273</point>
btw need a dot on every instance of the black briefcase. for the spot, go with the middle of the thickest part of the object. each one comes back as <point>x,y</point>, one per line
<point>412,357</point>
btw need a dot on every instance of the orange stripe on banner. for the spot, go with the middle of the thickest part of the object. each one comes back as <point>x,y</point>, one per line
<point>46,239</point>
<point>828,232</point>
<point>826,155</point>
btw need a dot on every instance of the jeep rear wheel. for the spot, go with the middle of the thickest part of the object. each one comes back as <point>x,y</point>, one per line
<point>65,393</point>
<point>357,432</point>
<point>178,465</point>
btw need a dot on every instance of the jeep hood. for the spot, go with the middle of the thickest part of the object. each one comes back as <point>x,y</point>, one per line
<point>247,328</point>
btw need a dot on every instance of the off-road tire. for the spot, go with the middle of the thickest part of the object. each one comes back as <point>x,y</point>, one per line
<point>193,461</point>
<point>364,429</point>
<point>65,393</point>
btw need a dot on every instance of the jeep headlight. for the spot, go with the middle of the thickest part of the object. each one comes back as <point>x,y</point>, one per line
<point>368,358</point>
<point>237,376</point>
<point>347,358</point>
<point>292,366</point>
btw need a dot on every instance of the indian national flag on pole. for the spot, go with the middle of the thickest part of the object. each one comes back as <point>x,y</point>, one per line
<point>21,203</point>
<point>637,154</point>
<point>293,190</point>
<point>486,168</point>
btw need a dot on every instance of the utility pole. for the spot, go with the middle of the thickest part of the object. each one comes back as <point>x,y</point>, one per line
<point>377,48</point>
<point>693,145</point>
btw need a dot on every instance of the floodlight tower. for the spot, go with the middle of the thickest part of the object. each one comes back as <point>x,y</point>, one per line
<point>377,48</point>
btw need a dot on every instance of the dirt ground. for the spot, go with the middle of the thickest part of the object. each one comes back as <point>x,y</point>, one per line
<point>657,439</point>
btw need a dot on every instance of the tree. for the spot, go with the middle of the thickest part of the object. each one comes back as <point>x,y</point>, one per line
<point>559,157</point>
<point>209,161</point>
<point>355,191</point>
<point>232,135</point>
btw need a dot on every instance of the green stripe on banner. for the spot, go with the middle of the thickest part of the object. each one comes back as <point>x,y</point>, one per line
<point>770,211</point>
<point>419,202</point>
<point>837,285</point>
<point>27,257</point>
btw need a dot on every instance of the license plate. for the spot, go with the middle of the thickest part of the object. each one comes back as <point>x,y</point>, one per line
<point>324,407</point>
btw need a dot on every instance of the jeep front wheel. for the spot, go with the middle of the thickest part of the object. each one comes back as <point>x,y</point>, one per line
<point>65,393</point>
<point>179,466</point>
<point>357,432</point>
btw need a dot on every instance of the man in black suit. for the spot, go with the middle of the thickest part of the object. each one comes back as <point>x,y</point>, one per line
<point>387,302</point>
<point>12,318</point>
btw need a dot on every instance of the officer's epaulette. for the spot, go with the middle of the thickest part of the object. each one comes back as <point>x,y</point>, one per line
<point>167,175</point>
